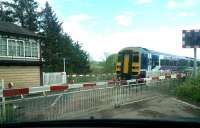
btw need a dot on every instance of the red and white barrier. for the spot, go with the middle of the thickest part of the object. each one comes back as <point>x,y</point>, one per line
<point>143,80</point>
<point>55,88</point>
<point>59,88</point>
<point>89,85</point>
<point>15,92</point>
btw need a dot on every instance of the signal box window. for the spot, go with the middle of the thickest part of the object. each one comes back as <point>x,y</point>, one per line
<point>3,47</point>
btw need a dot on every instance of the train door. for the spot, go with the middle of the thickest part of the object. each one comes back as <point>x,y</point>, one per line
<point>126,64</point>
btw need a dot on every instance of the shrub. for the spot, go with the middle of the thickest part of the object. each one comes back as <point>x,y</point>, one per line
<point>190,89</point>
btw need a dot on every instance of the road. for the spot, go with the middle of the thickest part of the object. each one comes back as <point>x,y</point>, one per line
<point>86,103</point>
<point>163,107</point>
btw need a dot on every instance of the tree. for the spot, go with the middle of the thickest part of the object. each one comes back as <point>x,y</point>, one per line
<point>110,63</point>
<point>6,13</point>
<point>22,12</point>
<point>104,66</point>
<point>80,59</point>
<point>51,28</point>
<point>76,59</point>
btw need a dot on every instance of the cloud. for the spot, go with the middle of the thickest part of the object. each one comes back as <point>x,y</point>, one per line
<point>187,14</point>
<point>73,26</point>
<point>79,18</point>
<point>125,19</point>
<point>174,17</point>
<point>163,39</point>
<point>173,4</point>
<point>144,1</point>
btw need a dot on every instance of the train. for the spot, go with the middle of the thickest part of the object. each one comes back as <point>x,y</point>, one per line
<point>137,62</point>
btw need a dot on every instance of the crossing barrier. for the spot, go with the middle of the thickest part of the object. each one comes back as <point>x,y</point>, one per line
<point>65,87</point>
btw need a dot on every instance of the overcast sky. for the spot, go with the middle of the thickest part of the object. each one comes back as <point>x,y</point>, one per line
<point>106,26</point>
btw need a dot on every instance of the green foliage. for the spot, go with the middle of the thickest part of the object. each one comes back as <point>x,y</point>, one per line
<point>51,28</point>
<point>96,67</point>
<point>59,45</point>
<point>22,12</point>
<point>107,66</point>
<point>190,89</point>
<point>6,13</point>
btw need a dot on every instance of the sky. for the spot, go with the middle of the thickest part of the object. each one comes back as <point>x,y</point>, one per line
<point>104,27</point>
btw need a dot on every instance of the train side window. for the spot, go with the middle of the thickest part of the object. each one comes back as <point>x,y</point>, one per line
<point>191,63</point>
<point>135,57</point>
<point>157,62</point>
<point>162,62</point>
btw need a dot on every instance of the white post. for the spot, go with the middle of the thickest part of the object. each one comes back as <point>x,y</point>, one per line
<point>64,63</point>
<point>3,102</point>
<point>195,62</point>
<point>43,78</point>
<point>64,78</point>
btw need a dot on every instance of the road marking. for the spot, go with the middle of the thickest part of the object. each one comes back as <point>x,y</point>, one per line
<point>186,103</point>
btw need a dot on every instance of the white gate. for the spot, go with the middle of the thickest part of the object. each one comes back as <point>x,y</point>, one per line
<point>54,78</point>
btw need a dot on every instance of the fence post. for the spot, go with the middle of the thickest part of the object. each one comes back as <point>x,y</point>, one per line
<point>64,78</point>
<point>136,88</point>
<point>3,102</point>
<point>43,74</point>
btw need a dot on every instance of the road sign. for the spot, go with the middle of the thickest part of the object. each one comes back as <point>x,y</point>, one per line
<point>191,38</point>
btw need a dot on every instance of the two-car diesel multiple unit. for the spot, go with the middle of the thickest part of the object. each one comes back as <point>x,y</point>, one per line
<point>135,62</point>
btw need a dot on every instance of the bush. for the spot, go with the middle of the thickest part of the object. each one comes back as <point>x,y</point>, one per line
<point>190,89</point>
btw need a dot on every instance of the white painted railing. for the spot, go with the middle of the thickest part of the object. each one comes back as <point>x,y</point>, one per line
<point>1,87</point>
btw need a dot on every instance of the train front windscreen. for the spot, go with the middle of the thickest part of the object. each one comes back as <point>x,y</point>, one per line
<point>128,65</point>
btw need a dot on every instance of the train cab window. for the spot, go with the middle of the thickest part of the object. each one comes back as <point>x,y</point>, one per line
<point>135,57</point>
<point>119,59</point>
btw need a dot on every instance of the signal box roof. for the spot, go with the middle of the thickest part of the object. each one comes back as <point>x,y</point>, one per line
<point>10,28</point>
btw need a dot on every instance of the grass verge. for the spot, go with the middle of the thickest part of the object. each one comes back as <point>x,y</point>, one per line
<point>190,89</point>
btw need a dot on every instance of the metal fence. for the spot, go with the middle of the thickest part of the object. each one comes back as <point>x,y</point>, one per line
<point>54,78</point>
<point>1,84</point>
<point>69,104</point>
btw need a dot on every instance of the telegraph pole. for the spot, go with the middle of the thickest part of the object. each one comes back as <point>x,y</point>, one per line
<point>195,62</point>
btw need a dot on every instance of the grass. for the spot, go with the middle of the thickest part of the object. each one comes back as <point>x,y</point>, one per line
<point>190,89</point>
